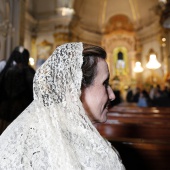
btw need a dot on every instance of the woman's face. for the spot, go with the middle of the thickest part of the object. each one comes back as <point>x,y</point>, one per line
<point>95,97</point>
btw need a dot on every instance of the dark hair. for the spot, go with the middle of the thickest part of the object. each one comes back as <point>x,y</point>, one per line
<point>17,56</point>
<point>91,54</point>
<point>23,57</point>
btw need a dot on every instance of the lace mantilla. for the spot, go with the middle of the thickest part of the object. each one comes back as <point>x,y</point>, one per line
<point>54,132</point>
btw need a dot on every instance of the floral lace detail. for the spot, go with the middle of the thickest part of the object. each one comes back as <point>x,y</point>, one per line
<point>54,132</point>
<point>60,73</point>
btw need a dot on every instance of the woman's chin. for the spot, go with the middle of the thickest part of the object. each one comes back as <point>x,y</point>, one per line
<point>103,118</point>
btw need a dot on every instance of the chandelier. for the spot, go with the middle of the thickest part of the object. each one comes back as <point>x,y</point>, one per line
<point>138,68</point>
<point>153,62</point>
<point>65,7</point>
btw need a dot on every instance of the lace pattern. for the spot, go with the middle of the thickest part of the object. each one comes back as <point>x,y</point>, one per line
<point>54,132</point>
<point>60,73</point>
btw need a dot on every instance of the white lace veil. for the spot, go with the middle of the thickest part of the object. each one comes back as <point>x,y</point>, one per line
<point>54,132</point>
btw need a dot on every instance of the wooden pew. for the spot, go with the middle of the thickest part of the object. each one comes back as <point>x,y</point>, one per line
<point>141,135</point>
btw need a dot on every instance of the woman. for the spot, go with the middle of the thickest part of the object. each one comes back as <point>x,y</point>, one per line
<point>16,81</point>
<point>56,132</point>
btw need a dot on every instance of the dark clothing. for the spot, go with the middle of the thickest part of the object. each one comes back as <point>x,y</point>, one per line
<point>136,97</point>
<point>16,91</point>
<point>163,101</point>
<point>129,97</point>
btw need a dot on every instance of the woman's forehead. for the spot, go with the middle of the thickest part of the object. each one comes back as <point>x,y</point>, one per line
<point>102,68</point>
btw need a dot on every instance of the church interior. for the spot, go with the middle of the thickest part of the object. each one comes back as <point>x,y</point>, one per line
<point>136,37</point>
<point>130,31</point>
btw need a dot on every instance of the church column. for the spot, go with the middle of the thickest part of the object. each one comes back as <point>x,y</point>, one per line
<point>168,52</point>
<point>34,50</point>
<point>2,46</point>
<point>18,21</point>
<point>14,32</point>
<point>5,29</point>
<point>131,55</point>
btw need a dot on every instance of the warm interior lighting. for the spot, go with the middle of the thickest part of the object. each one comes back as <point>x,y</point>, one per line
<point>163,39</point>
<point>64,11</point>
<point>153,62</point>
<point>31,61</point>
<point>138,68</point>
<point>65,8</point>
<point>163,1</point>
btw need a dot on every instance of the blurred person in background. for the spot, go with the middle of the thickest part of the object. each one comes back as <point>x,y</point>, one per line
<point>2,64</point>
<point>16,86</point>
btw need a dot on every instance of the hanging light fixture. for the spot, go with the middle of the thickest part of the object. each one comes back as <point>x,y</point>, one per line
<point>64,7</point>
<point>153,62</point>
<point>138,68</point>
<point>63,11</point>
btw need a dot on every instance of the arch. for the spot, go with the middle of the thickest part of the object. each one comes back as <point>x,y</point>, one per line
<point>119,22</point>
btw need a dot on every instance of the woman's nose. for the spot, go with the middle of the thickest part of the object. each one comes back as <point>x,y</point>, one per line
<point>111,95</point>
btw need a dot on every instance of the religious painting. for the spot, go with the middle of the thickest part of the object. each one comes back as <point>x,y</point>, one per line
<point>120,61</point>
